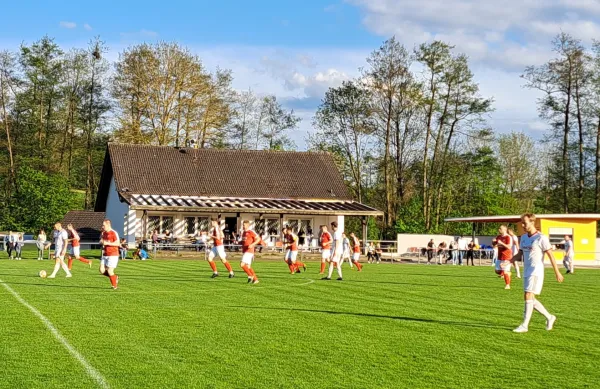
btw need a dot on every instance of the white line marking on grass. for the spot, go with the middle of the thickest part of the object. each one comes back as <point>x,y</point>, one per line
<point>92,372</point>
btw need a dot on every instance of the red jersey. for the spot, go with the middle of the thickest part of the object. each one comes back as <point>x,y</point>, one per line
<point>112,237</point>
<point>217,237</point>
<point>326,241</point>
<point>356,245</point>
<point>504,254</point>
<point>292,241</point>
<point>75,241</point>
<point>249,237</point>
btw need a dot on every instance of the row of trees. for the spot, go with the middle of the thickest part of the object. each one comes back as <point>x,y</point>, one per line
<point>409,133</point>
<point>59,108</point>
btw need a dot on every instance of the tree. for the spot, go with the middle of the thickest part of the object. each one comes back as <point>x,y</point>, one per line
<point>243,123</point>
<point>274,124</point>
<point>344,122</point>
<point>8,81</point>
<point>518,157</point>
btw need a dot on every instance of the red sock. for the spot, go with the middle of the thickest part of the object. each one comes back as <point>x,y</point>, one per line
<point>113,280</point>
<point>247,270</point>
<point>291,266</point>
<point>213,266</point>
<point>358,265</point>
<point>82,259</point>
<point>299,264</point>
<point>507,278</point>
<point>228,267</point>
<point>253,274</point>
<point>70,263</point>
<point>322,267</point>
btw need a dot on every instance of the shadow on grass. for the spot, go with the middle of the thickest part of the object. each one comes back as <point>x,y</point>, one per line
<point>371,315</point>
<point>419,284</point>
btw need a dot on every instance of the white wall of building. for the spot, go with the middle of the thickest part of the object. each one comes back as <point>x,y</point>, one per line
<point>116,211</point>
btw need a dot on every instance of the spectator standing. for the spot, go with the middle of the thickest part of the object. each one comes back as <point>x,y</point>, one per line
<point>370,253</point>
<point>19,243</point>
<point>454,251</point>
<point>123,249</point>
<point>441,252</point>
<point>41,244</point>
<point>430,251</point>
<point>10,244</point>
<point>471,253</point>
<point>378,253</point>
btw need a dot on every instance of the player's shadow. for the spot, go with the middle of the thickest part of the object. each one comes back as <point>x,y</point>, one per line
<point>400,318</point>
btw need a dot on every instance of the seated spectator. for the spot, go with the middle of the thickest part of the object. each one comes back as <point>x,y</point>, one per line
<point>141,254</point>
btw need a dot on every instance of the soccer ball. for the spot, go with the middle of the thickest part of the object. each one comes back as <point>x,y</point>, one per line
<point>43,273</point>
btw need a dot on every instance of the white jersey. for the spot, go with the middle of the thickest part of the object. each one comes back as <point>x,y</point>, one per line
<point>569,248</point>
<point>338,243</point>
<point>60,238</point>
<point>533,248</point>
<point>514,242</point>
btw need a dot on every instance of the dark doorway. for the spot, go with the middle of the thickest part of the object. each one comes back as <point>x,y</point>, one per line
<point>230,226</point>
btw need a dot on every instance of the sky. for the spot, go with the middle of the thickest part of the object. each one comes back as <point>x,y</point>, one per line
<point>296,50</point>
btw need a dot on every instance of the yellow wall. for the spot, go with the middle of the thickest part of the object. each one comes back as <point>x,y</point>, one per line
<point>584,236</point>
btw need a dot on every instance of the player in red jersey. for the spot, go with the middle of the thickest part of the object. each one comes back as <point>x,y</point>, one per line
<point>325,240</point>
<point>218,250</point>
<point>110,253</point>
<point>249,241</point>
<point>505,254</point>
<point>291,254</point>
<point>355,251</point>
<point>74,239</point>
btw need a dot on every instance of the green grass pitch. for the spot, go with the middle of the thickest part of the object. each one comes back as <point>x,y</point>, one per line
<point>392,326</point>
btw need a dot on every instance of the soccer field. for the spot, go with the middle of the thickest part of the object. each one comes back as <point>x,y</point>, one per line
<point>169,325</point>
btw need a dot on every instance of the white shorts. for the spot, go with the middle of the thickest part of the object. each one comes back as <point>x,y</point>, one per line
<point>503,266</point>
<point>75,251</point>
<point>346,254</point>
<point>355,257</point>
<point>534,284</point>
<point>291,255</point>
<point>217,251</point>
<point>58,256</point>
<point>109,261</point>
<point>247,258</point>
<point>568,258</point>
<point>336,258</point>
<point>325,254</point>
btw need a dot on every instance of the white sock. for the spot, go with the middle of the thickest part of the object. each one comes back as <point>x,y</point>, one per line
<point>56,268</point>
<point>65,268</point>
<point>517,269</point>
<point>528,312</point>
<point>339,270</point>
<point>330,269</point>
<point>541,309</point>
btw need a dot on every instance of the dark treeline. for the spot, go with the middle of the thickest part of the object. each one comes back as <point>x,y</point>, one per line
<point>409,134</point>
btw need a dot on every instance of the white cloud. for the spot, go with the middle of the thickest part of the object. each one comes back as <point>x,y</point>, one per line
<point>87,27</point>
<point>68,25</point>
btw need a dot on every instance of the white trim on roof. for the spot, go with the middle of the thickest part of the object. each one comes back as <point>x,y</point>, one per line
<point>508,218</point>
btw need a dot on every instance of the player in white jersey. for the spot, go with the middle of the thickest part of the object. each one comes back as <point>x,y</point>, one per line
<point>515,250</point>
<point>534,245</point>
<point>569,255</point>
<point>61,238</point>
<point>346,250</point>
<point>336,255</point>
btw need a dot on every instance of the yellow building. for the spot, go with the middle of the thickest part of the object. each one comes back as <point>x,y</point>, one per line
<point>581,226</point>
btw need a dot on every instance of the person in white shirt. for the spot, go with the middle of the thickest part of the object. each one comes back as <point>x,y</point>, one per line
<point>346,250</point>
<point>534,246</point>
<point>337,252</point>
<point>515,250</point>
<point>61,238</point>
<point>569,255</point>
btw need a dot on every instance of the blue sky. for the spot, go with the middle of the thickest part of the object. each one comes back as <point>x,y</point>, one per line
<point>297,49</point>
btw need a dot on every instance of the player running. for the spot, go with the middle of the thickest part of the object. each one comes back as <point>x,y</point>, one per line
<point>110,253</point>
<point>325,240</point>
<point>355,251</point>
<point>515,251</point>
<point>503,263</point>
<point>61,238</point>
<point>336,256</point>
<point>534,245</point>
<point>569,255</point>
<point>249,241</point>
<point>75,246</point>
<point>218,250</point>
<point>291,253</point>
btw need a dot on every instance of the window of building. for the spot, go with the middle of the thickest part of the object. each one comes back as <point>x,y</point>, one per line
<point>195,225</point>
<point>160,223</point>
<point>557,236</point>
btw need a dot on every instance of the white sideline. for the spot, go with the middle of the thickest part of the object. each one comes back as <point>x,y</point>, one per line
<point>92,372</point>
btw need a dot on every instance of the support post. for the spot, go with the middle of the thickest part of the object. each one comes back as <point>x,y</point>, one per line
<point>364,233</point>
<point>281,230</point>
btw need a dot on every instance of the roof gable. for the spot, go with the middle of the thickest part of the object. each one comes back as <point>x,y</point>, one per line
<point>87,223</point>
<point>163,170</point>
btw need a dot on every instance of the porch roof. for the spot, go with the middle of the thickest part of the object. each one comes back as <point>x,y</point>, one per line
<point>247,205</point>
